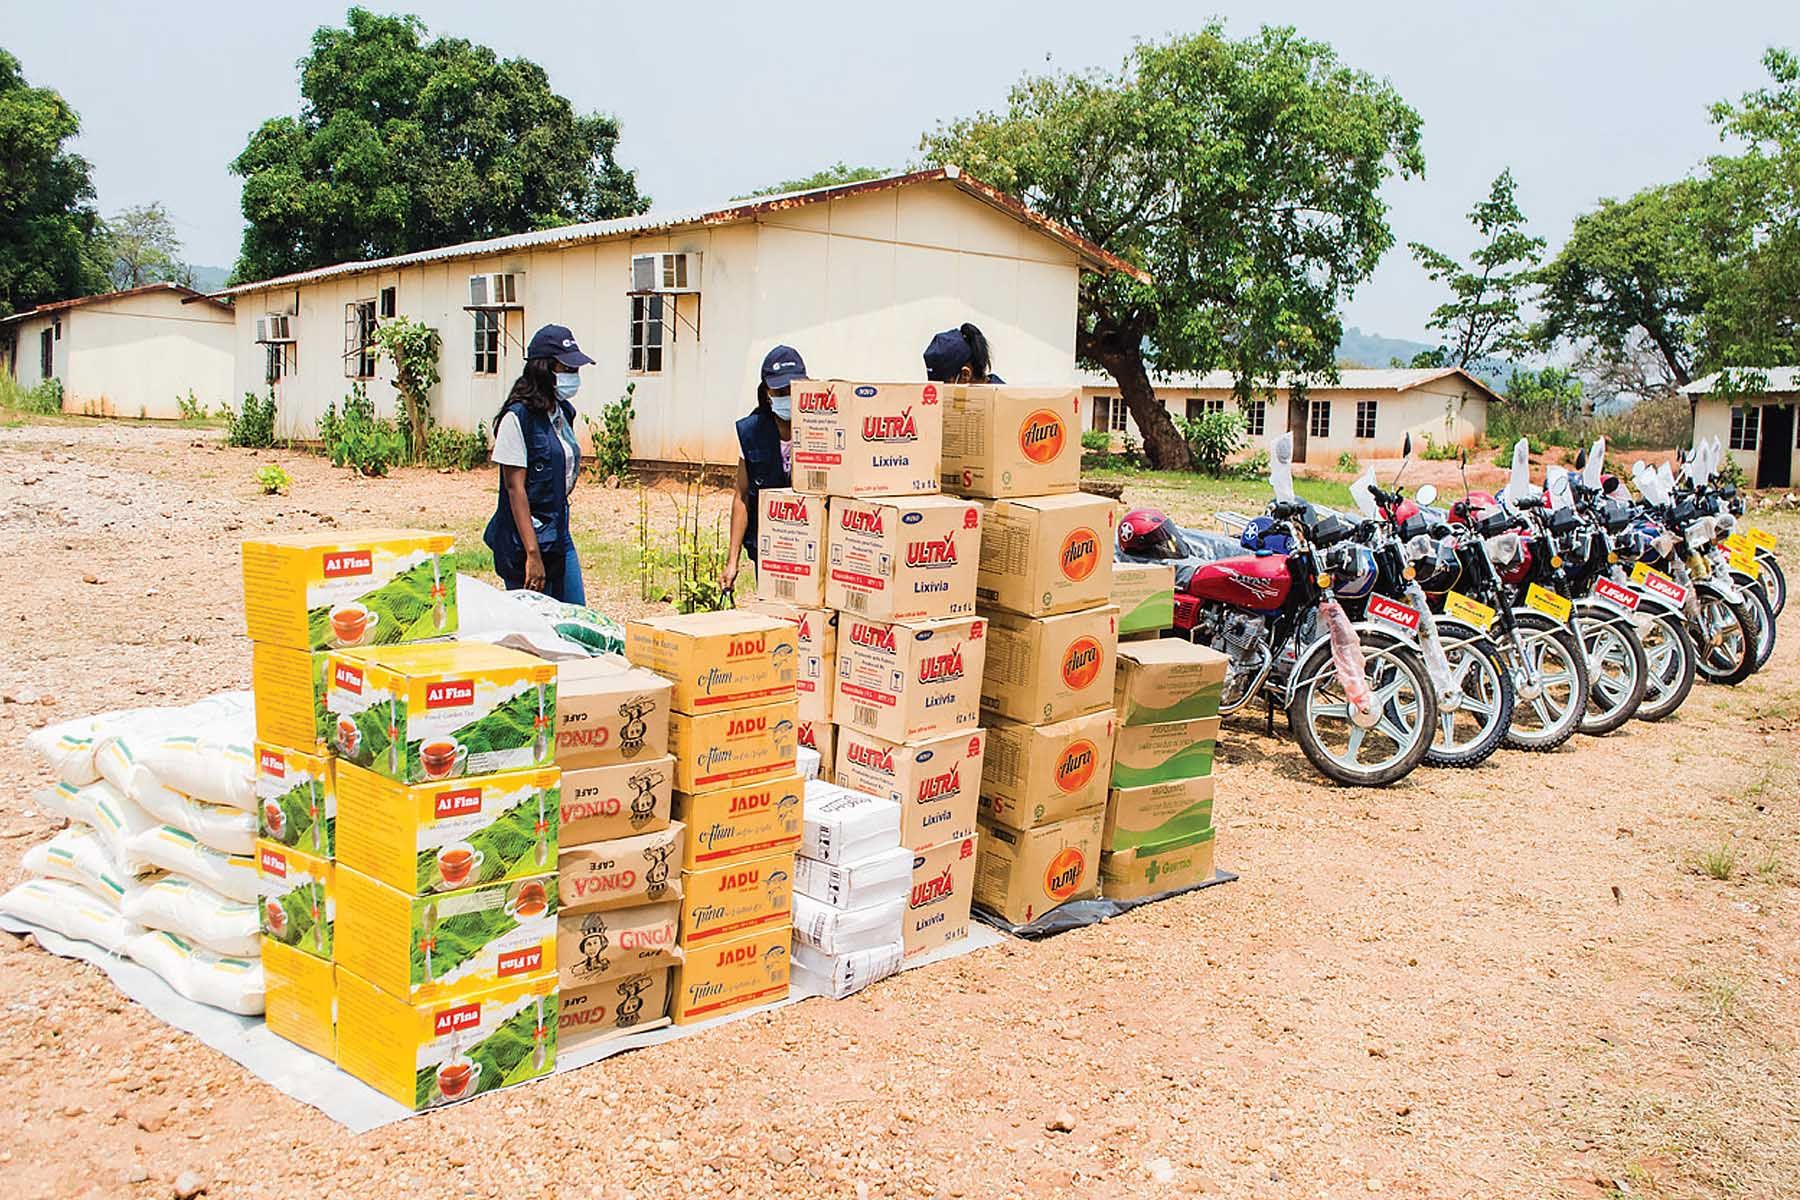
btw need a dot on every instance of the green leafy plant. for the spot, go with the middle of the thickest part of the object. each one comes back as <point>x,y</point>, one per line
<point>1096,441</point>
<point>456,450</point>
<point>1439,452</point>
<point>1719,863</point>
<point>1347,463</point>
<point>1211,439</point>
<point>1255,466</point>
<point>253,425</point>
<point>611,436</point>
<point>360,439</point>
<point>43,399</point>
<point>1731,471</point>
<point>273,479</point>
<point>413,347</point>
<point>686,573</point>
<point>191,407</point>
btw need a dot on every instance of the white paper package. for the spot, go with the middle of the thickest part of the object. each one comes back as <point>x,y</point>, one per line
<point>807,762</point>
<point>870,881</point>
<point>844,930</point>
<point>841,975</point>
<point>842,826</point>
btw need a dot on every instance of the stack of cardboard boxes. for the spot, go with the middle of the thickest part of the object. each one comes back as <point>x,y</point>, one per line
<point>851,886</point>
<point>737,804</point>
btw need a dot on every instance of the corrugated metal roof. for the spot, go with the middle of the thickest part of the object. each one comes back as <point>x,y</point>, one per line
<point>655,222</point>
<point>1368,379</point>
<point>188,294</point>
<point>1781,379</point>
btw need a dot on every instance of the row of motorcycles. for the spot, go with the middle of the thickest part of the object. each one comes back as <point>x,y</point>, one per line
<point>1407,632</point>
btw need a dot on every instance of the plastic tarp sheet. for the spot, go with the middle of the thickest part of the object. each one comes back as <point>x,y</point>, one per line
<point>1078,914</point>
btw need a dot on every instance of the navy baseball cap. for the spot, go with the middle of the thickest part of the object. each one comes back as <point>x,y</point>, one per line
<point>948,354</point>
<point>555,341</point>
<point>781,367</point>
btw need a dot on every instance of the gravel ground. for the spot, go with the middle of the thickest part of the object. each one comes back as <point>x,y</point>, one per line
<point>1511,981</point>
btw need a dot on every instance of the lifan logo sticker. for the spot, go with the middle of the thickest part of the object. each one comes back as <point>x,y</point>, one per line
<point>1258,587</point>
<point>1076,765</point>
<point>455,1020</point>
<point>451,693</point>
<point>1613,593</point>
<point>1081,662</point>
<point>343,564</point>
<point>1080,554</point>
<point>459,803</point>
<point>1394,613</point>
<point>890,427</point>
<point>933,555</point>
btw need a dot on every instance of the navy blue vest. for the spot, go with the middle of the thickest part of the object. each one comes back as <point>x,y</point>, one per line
<point>759,442</point>
<point>546,489</point>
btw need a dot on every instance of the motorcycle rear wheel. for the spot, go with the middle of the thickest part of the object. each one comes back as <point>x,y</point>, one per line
<point>1724,643</point>
<point>1773,580</point>
<point>1319,715</point>
<point>1617,669</point>
<point>1669,654</point>
<point>1551,718</point>
<point>1763,613</point>
<point>1468,735</point>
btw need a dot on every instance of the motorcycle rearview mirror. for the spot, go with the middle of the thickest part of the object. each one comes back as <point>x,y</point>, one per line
<point>1426,495</point>
<point>1581,461</point>
<point>1405,457</point>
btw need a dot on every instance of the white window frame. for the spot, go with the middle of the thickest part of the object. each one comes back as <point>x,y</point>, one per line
<point>1256,417</point>
<point>1318,419</point>
<point>486,344</point>
<point>359,339</point>
<point>646,321</point>
<point>1746,427</point>
<point>1366,408</point>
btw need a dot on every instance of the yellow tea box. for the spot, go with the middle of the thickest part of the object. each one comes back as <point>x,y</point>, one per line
<point>867,439</point>
<point>1169,679</point>
<point>1046,554</point>
<point>904,682</point>
<point>601,804</point>
<point>1011,441</point>
<point>290,697</point>
<point>427,1053</point>
<point>717,660</point>
<point>904,559</point>
<point>447,944</point>
<point>443,837</point>
<point>300,998</point>
<point>750,821</point>
<point>1041,774</point>
<point>1162,867</point>
<point>1146,754</point>
<point>623,873</point>
<point>1041,669</point>
<point>733,748</point>
<point>820,736</point>
<point>592,946</point>
<point>296,799</point>
<point>815,631</point>
<point>727,976</point>
<point>937,908</point>
<point>297,896</point>
<point>1023,874</point>
<point>325,591</point>
<point>740,898</point>
<point>442,710</point>
<point>1158,813</point>
<point>935,781</point>
<point>628,1003</point>
<point>1145,594</point>
<point>609,712</point>
<point>790,547</point>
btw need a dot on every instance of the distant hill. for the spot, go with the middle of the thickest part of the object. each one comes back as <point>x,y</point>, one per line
<point>210,279</point>
<point>1373,350</point>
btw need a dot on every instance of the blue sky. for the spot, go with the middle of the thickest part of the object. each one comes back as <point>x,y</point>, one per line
<point>1582,99</point>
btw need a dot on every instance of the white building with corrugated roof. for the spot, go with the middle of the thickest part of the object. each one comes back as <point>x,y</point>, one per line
<point>1754,419</point>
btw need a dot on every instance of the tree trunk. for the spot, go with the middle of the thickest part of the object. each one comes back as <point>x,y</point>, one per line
<point>1299,419</point>
<point>1164,446</point>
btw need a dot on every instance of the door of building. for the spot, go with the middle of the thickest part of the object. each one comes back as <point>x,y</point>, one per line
<point>1775,461</point>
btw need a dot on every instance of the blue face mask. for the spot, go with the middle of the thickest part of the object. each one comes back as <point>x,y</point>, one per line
<point>567,384</point>
<point>783,405</point>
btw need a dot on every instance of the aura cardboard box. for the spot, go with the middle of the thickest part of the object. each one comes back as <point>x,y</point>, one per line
<point>716,661</point>
<point>935,781</point>
<point>1145,594</point>
<point>1158,814</point>
<point>733,824</point>
<point>290,697</point>
<point>327,591</point>
<point>592,946</point>
<point>843,825</point>
<point>727,976</point>
<point>735,900</point>
<point>843,930</point>
<point>733,748</point>
<point>1021,875</point>
<point>1011,441</point>
<point>624,873</point>
<point>296,798</point>
<point>790,547</point>
<point>442,837</point>
<point>1046,554</point>
<point>867,439</point>
<point>841,975</point>
<point>426,948</point>
<point>907,682</point>
<point>296,899</point>
<point>426,1053</point>
<point>821,738</point>
<point>602,804</point>
<point>1042,669</point>
<point>937,907</point>
<point>1041,774</point>
<point>628,1003</point>
<point>609,712</point>
<point>1155,869</point>
<point>440,710</point>
<point>1169,679</point>
<point>1147,754</point>
<point>904,559</point>
<point>300,998</point>
<point>864,883</point>
<point>815,633</point>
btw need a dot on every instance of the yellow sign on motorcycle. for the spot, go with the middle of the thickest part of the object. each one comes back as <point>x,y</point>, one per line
<point>1556,607</point>
<point>1469,611</point>
<point>1762,539</point>
<point>1742,556</point>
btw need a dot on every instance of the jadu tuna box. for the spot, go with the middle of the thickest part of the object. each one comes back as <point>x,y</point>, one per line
<point>296,799</point>
<point>815,643</point>
<point>1011,441</point>
<point>867,439</point>
<point>723,977</point>
<point>935,781</point>
<point>297,897</point>
<point>751,821</point>
<point>1046,554</point>
<point>628,1003</point>
<point>328,591</point>
<point>428,713</point>
<point>736,899</point>
<point>1050,668</point>
<point>1041,774</point>
<point>790,547</point>
<point>716,661</point>
<point>904,682</point>
<point>904,559</point>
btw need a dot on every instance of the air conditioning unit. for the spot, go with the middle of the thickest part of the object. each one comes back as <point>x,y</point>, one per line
<point>665,272</point>
<point>500,289</point>
<point>276,327</point>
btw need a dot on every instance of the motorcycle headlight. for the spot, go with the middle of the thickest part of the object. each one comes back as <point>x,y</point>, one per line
<point>1700,533</point>
<point>1665,544</point>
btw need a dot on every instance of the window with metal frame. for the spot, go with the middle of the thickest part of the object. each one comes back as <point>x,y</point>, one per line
<point>390,302</point>
<point>1198,407</point>
<point>1318,423</point>
<point>46,354</point>
<point>1255,417</point>
<point>275,362</point>
<point>1365,418</point>
<point>1746,424</point>
<point>646,336</point>
<point>487,341</point>
<point>359,339</point>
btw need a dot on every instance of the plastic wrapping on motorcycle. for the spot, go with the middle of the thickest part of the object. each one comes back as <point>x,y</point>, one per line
<point>1078,914</point>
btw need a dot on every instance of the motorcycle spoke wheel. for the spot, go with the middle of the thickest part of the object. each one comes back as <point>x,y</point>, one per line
<point>1364,755</point>
<point>1616,671</point>
<point>1471,731</point>
<point>1550,718</point>
<point>1669,676</point>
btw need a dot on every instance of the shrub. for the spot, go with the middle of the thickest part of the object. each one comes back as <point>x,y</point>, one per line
<point>686,573</point>
<point>252,426</point>
<point>611,436</point>
<point>1256,466</point>
<point>1095,441</point>
<point>413,347</point>
<point>1730,471</point>
<point>273,480</point>
<point>191,407</point>
<point>1436,453</point>
<point>456,450</point>
<point>1347,463</point>
<point>1212,438</point>
<point>360,439</point>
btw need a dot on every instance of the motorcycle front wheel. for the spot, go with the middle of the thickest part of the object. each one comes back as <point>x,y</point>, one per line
<point>1319,713</point>
<point>1724,640</point>
<point>1617,669</point>
<point>1773,580</point>
<point>1669,655</point>
<point>1469,731</point>
<point>1548,719</point>
<point>1763,615</point>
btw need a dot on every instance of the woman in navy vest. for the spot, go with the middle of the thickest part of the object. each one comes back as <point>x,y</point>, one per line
<point>539,460</point>
<point>960,355</point>
<point>765,452</point>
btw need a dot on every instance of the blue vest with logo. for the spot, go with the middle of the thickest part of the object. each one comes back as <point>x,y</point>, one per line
<point>546,489</point>
<point>759,442</point>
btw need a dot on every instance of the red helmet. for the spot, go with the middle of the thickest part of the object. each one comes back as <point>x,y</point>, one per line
<point>1475,504</point>
<point>1148,533</point>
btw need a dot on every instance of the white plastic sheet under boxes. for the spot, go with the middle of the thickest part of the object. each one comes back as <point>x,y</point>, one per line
<point>843,826</point>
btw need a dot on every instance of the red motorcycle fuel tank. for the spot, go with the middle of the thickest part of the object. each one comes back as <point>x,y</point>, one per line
<point>1259,581</point>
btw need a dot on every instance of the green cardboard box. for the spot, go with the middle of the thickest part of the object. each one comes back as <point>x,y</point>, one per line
<point>1157,868</point>
<point>1167,680</point>
<point>1157,814</point>
<point>1145,594</point>
<point>1161,753</point>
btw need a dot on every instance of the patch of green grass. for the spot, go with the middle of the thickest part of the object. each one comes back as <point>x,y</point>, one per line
<point>1770,866</point>
<point>1248,494</point>
<point>1719,863</point>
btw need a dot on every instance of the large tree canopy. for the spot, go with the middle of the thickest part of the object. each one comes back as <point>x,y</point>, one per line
<point>1243,175</point>
<point>47,216</point>
<point>1482,317</point>
<point>402,144</point>
<point>142,247</point>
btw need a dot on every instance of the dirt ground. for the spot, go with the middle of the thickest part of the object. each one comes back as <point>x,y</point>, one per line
<point>1511,981</point>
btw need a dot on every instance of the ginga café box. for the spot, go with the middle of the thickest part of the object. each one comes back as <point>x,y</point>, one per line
<point>867,439</point>
<point>815,641</point>
<point>934,781</point>
<point>296,798</point>
<point>1041,774</point>
<point>1050,668</point>
<point>1046,554</point>
<point>442,837</point>
<point>1021,875</point>
<point>790,546</point>
<point>906,682</point>
<point>592,946</point>
<point>718,660</point>
<point>609,712</point>
<point>600,804</point>
<point>904,559</point>
<point>618,1004</point>
<point>1011,441</point>
<point>327,591</point>
<point>441,710</point>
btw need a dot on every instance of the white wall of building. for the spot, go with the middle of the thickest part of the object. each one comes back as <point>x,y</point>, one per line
<point>133,355</point>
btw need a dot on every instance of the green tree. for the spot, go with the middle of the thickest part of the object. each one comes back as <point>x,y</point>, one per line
<point>1244,176</point>
<point>839,172</point>
<point>142,247</point>
<point>47,219</point>
<point>1483,317</point>
<point>403,144</point>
